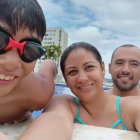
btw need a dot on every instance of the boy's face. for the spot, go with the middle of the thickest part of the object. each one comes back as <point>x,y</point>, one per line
<point>12,68</point>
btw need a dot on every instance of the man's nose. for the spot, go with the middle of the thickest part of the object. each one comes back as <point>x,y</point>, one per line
<point>126,68</point>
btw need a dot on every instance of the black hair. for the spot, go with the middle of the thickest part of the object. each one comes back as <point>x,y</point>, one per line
<point>17,14</point>
<point>123,46</point>
<point>77,45</point>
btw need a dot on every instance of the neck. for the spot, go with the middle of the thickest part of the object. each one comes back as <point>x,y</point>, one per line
<point>95,104</point>
<point>133,92</point>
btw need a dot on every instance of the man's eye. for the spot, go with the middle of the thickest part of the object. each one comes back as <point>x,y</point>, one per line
<point>135,64</point>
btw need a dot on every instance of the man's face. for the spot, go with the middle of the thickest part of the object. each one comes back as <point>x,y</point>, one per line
<point>125,68</point>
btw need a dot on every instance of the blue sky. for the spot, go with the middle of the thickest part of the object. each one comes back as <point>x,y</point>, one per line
<point>105,24</point>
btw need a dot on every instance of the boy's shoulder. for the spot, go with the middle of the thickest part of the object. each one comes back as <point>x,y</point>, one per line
<point>34,91</point>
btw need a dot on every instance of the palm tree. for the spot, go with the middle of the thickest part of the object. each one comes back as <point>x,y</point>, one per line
<point>52,52</point>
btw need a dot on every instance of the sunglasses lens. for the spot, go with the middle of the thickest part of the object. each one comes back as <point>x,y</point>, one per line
<point>32,51</point>
<point>4,39</point>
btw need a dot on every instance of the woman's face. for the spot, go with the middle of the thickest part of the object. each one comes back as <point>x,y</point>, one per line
<point>83,73</point>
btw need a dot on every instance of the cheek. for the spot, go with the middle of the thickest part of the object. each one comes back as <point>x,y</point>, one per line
<point>137,75</point>
<point>100,73</point>
<point>29,67</point>
<point>99,76</point>
<point>70,81</point>
<point>114,71</point>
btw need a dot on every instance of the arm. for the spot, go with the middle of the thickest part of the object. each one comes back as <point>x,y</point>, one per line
<point>54,124</point>
<point>39,87</point>
<point>47,72</point>
<point>48,69</point>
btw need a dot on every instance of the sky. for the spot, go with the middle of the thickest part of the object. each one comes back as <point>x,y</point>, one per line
<point>106,24</point>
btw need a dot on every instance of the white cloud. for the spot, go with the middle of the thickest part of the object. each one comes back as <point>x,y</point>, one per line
<point>106,24</point>
<point>121,15</point>
<point>89,34</point>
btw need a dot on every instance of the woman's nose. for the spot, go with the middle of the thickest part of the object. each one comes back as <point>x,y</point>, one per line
<point>82,76</point>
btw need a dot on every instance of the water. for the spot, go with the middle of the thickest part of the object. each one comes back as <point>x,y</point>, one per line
<point>62,89</point>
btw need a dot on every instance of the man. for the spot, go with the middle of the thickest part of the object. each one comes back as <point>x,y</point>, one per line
<point>125,70</point>
<point>22,27</point>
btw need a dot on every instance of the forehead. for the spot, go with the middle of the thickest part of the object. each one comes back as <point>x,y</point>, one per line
<point>79,55</point>
<point>127,53</point>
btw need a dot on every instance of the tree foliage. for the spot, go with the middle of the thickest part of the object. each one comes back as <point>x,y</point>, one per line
<point>52,52</point>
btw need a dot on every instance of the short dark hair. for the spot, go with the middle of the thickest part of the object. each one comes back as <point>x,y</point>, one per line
<point>77,45</point>
<point>123,46</point>
<point>17,14</point>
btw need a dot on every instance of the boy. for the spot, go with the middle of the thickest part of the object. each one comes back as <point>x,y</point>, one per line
<point>22,27</point>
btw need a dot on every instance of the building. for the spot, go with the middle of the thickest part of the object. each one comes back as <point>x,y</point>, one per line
<point>54,36</point>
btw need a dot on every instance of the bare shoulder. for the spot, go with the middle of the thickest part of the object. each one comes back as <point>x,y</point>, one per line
<point>48,66</point>
<point>130,110</point>
<point>34,82</point>
<point>38,87</point>
<point>131,100</point>
<point>36,90</point>
<point>44,78</point>
<point>130,105</point>
<point>60,104</point>
<point>59,101</point>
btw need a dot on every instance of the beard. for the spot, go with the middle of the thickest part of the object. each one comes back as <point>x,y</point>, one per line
<point>124,86</point>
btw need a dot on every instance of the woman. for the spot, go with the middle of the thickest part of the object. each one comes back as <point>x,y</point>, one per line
<point>83,70</point>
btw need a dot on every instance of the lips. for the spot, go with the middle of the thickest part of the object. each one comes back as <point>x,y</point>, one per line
<point>85,87</point>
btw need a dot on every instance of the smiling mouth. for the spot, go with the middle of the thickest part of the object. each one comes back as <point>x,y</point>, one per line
<point>84,87</point>
<point>6,77</point>
<point>125,76</point>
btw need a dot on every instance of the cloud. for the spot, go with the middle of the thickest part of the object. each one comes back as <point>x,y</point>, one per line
<point>121,16</point>
<point>106,24</point>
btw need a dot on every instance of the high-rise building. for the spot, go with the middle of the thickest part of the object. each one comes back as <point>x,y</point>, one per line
<point>54,36</point>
